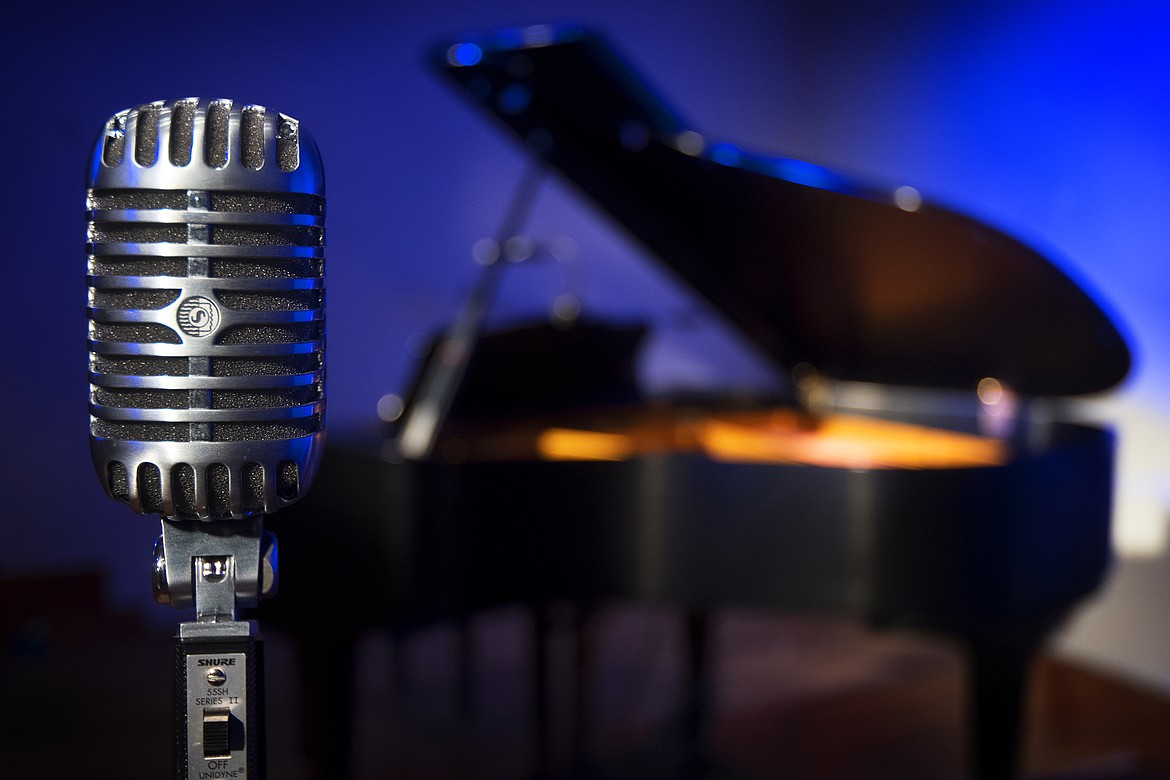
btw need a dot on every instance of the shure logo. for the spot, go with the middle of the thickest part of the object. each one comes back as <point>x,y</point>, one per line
<point>198,316</point>
<point>217,662</point>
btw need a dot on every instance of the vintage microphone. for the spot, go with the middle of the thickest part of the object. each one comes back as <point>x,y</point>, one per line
<point>206,348</point>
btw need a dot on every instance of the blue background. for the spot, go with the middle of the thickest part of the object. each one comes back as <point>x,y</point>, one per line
<point>1050,120</point>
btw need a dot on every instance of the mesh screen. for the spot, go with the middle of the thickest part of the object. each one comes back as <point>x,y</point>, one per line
<point>271,334</point>
<point>141,431</point>
<point>289,429</point>
<point>267,235</point>
<point>215,134</point>
<point>140,366</point>
<point>129,398</point>
<point>119,481</point>
<point>219,482</point>
<point>182,131</point>
<point>274,366</point>
<point>288,480</point>
<point>252,138</point>
<point>133,299</point>
<point>138,199</point>
<point>265,267</point>
<point>150,488</point>
<point>253,487</point>
<point>278,300</point>
<point>146,138</point>
<point>140,332</point>
<point>137,233</point>
<point>270,399</point>
<point>269,202</point>
<point>137,265</point>
<point>183,487</point>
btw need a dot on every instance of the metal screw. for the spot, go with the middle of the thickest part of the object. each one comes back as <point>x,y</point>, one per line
<point>216,677</point>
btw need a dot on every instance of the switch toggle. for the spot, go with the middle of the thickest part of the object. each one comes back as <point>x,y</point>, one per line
<point>217,733</point>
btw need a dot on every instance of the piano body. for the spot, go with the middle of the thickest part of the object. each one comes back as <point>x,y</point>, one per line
<point>547,477</point>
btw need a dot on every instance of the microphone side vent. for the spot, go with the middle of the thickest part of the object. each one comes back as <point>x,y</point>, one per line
<point>146,135</point>
<point>209,495</point>
<point>183,484</point>
<point>252,137</point>
<point>253,487</point>
<point>150,492</point>
<point>144,126</point>
<point>288,480</point>
<point>118,480</point>
<point>182,131</point>
<point>219,490</point>
<point>215,133</point>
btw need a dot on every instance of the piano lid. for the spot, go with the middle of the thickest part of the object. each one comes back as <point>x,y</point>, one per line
<point>862,283</point>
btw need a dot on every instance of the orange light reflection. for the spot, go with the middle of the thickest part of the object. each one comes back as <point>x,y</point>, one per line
<point>838,441</point>
<point>844,441</point>
<point>574,444</point>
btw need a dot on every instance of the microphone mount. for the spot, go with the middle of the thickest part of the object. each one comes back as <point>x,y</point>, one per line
<point>217,568</point>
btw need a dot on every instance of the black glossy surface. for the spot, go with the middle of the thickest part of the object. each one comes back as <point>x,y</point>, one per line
<point>814,268</point>
<point>969,551</point>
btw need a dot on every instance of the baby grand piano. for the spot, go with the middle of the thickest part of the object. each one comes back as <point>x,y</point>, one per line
<point>982,527</point>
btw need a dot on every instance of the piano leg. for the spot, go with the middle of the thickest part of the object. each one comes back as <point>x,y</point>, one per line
<point>697,688</point>
<point>998,673</point>
<point>580,626</point>
<point>699,694</point>
<point>548,620</point>
<point>327,690</point>
<point>465,689</point>
<point>541,711</point>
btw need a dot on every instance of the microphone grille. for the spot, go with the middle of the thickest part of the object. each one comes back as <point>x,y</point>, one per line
<point>206,308</point>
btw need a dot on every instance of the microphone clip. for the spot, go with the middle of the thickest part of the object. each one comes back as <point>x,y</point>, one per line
<point>215,567</point>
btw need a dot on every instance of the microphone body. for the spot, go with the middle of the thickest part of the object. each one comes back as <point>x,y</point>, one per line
<point>206,309</point>
<point>206,225</point>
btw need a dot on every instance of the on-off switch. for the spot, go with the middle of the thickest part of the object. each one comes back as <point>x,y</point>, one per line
<point>218,722</point>
<point>217,733</point>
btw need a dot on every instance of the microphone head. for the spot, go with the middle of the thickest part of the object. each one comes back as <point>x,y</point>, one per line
<point>206,223</point>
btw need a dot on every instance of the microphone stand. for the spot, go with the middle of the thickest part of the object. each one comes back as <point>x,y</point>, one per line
<point>218,701</point>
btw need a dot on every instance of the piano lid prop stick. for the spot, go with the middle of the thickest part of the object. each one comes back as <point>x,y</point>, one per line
<point>424,417</point>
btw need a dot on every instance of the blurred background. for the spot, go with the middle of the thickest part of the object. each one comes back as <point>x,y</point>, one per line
<point>1049,120</point>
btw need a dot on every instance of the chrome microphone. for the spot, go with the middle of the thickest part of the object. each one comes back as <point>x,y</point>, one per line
<point>206,224</point>
<point>206,309</point>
